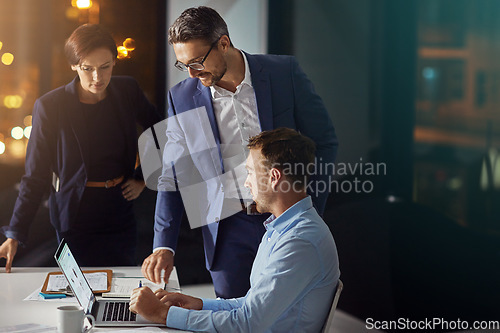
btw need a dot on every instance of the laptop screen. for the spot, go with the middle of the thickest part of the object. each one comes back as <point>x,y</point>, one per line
<point>75,277</point>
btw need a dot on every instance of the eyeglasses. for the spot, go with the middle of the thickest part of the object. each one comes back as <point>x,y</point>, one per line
<point>197,66</point>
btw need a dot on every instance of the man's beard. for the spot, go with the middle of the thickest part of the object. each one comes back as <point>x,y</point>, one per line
<point>262,204</point>
<point>214,79</point>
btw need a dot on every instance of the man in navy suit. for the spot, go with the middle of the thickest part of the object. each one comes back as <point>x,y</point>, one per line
<point>242,95</point>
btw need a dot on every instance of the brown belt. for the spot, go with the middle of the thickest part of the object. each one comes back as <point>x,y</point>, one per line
<point>107,184</point>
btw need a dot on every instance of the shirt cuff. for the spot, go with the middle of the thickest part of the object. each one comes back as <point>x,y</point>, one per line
<point>163,248</point>
<point>177,317</point>
<point>210,304</point>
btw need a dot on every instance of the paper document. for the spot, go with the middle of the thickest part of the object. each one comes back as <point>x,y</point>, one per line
<point>97,281</point>
<point>35,296</point>
<point>123,286</point>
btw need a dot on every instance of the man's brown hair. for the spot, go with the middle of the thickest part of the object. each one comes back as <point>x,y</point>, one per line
<point>287,150</point>
<point>201,22</point>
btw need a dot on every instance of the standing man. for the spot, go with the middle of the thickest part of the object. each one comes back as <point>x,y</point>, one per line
<point>243,95</point>
<point>296,269</point>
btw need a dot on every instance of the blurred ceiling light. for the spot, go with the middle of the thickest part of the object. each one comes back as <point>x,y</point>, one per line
<point>27,120</point>
<point>129,44</point>
<point>7,58</point>
<point>17,133</point>
<point>27,132</point>
<point>122,52</point>
<point>2,147</point>
<point>83,4</point>
<point>1,44</point>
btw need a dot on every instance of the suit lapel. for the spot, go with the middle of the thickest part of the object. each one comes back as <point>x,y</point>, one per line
<point>202,97</point>
<point>262,87</point>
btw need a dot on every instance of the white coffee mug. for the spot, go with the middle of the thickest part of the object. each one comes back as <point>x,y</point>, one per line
<point>70,320</point>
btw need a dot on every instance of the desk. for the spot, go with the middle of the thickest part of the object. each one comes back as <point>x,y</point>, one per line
<point>14,287</point>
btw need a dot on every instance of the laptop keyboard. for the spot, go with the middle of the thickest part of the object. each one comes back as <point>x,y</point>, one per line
<point>117,311</point>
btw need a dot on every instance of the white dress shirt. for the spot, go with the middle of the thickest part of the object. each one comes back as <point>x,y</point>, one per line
<point>237,119</point>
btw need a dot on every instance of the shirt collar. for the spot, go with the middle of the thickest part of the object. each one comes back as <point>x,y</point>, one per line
<point>217,91</point>
<point>281,222</point>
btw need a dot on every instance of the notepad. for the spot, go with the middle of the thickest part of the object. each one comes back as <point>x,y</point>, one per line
<point>99,280</point>
<point>123,286</point>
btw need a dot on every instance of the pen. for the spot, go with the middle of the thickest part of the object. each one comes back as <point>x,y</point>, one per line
<point>165,286</point>
<point>140,283</point>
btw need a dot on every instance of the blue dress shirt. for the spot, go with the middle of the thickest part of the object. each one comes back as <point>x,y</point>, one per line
<point>293,279</point>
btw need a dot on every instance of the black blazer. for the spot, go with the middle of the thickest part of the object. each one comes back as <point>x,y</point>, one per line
<point>58,148</point>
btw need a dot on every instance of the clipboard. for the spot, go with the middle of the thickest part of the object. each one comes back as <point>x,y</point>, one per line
<point>109,274</point>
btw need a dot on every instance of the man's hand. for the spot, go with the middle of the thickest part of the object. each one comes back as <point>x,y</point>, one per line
<point>8,250</point>
<point>145,303</point>
<point>157,262</point>
<point>132,188</point>
<point>180,300</point>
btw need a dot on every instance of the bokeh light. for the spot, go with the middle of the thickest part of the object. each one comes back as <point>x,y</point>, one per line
<point>83,4</point>
<point>27,121</point>
<point>7,58</point>
<point>13,101</point>
<point>122,52</point>
<point>129,44</point>
<point>1,44</point>
<point>17,132</point>
<point>2,147</point>
<point>17,149</point>
<point>27,132</point>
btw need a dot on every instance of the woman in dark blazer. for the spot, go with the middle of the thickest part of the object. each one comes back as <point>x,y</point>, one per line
<point>83,148</point>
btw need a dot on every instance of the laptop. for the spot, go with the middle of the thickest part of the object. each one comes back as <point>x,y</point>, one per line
<point>106,312</point>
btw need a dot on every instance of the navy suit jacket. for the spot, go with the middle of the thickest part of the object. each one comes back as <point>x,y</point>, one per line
<point>285,98</point>
<point>58,147</point>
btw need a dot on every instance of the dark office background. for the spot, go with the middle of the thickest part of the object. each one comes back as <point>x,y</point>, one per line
<point>412,84</point>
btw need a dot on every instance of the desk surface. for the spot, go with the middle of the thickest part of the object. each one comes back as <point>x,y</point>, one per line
<point>16,286</point>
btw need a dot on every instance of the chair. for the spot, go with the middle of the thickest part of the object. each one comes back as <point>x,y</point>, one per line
<point>329,319</point>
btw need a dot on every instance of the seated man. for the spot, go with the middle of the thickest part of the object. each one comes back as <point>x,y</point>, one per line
<point>296,271</point>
